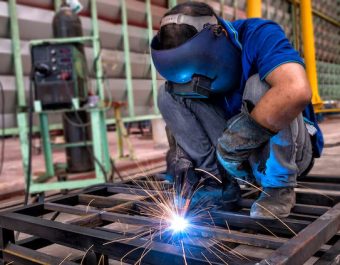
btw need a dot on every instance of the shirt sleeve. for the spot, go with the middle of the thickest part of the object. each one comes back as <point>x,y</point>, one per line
<point>268,47</point>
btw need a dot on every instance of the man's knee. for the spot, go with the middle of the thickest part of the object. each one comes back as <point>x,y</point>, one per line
<point>255,89</point>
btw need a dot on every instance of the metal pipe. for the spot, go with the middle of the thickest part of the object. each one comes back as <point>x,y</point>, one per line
<point>320,14</point>
<point>295,19</point>
<point>128,71</point>
<point>57,4</point>
<point>222,8</point>
<point>152,67</point>
<point>309,50</point>
<point>16,49</point>
<point>235,6</point>
<point>97,50</point>
<point>254,8</point>
<point>172,3</point>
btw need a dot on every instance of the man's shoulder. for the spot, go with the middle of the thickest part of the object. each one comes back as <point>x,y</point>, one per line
<point>252,24</point>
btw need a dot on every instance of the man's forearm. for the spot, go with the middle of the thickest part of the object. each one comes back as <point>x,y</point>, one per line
<point>288,96</point>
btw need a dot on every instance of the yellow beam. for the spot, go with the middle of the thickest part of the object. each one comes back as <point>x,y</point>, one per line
<point>309,50</point>
<point>327,111</point>
<point>254,8</point>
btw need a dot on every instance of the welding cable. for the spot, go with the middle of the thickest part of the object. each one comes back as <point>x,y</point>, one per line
<point>2,152</point>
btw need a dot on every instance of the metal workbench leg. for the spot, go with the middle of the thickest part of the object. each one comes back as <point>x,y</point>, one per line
<point>6,236</point>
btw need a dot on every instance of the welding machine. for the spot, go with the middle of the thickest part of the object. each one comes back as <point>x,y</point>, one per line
<point>59,75</point>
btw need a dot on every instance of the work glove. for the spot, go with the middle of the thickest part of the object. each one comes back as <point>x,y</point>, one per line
<point>180,169</point>
<point>186,179</point>
<point>242,135</point>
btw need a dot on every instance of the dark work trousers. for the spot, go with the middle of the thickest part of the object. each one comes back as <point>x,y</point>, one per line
<point>198,123</point>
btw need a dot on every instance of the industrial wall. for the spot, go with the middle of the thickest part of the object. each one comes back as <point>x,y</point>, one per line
<point>35,17</point>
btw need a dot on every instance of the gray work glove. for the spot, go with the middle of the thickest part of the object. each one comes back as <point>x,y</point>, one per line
<point>180,168</point>
<point>242,135</point>
<point>186,179</point>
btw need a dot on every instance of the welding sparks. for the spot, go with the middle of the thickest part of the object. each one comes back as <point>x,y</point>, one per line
<point>174,222</point>
<point>178,224</point>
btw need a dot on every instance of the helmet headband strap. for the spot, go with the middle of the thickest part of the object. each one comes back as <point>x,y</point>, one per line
<point>196,22</point>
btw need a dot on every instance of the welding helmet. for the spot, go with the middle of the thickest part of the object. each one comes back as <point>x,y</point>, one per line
<point>207,63</point>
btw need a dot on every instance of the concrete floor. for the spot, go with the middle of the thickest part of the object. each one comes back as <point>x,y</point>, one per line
<point>149,155</point>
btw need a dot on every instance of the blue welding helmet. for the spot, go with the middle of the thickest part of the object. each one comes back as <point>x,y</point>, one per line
<point>207,63</point>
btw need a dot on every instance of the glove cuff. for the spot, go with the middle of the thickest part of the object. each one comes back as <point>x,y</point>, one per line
<point>243,135</point>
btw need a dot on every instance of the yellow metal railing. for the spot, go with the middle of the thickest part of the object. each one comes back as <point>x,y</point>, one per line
<point>254,8</point>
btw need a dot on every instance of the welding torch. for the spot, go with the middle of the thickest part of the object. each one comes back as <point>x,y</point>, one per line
<point>186,182</point>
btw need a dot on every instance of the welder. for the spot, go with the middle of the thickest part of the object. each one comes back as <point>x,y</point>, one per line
<point>237,103</point>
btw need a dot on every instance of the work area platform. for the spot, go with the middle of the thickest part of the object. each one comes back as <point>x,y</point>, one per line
<point>125,222</point>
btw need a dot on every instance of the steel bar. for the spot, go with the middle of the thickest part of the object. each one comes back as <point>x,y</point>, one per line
<point>241,220</point>
<point>126,45</point>
<point>235,229</point>
<point>321,178</point>
<point>300,248</point>
<point>20,255</point>
<point>246,203</point>
<point>331,257</point>
<point>222,234</point>
<point>298,208</point>
<point>82,238</point>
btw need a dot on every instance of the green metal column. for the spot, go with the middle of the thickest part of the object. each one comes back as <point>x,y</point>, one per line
<point>97,50</point>
<point>47,148</point>
<point>172,3</point>
<point>16,50</point>
<point>152,67</point>
<point>20,88</point>
<point>101,124</point>
<point>222,8</point>
<point>128,73</point>
<point>235,6</point>
<point>57,4</point>
<point>99,148</point>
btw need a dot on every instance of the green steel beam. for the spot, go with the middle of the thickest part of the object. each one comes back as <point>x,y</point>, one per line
<point>15,131</point>
<point>64,40</point>
<point>62,185</point>
<point>98,116</point>
<point>172,3</point>
<point>24,146</point>
<point>57,4</point>
<point>153,69</point>
<point>69,145</point>
<point>222,8</point>
<point>20,89</point>
<point>98,145</point>
<point>47,149</point>
<point>128,73</point>
<point>97,50</point>
<point>235,6</point>
<point>16,49</point>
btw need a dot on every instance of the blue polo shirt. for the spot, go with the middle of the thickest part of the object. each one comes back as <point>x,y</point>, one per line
<point>264,47</point>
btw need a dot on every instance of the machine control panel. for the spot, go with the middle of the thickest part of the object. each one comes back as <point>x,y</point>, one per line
<point>56,79</point>
<point>53,63</point>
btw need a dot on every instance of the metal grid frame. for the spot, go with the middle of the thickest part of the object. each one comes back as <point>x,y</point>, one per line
<point>315,219</point>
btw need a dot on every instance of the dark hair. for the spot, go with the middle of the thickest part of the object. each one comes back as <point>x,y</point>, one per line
<point>173,35</point>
